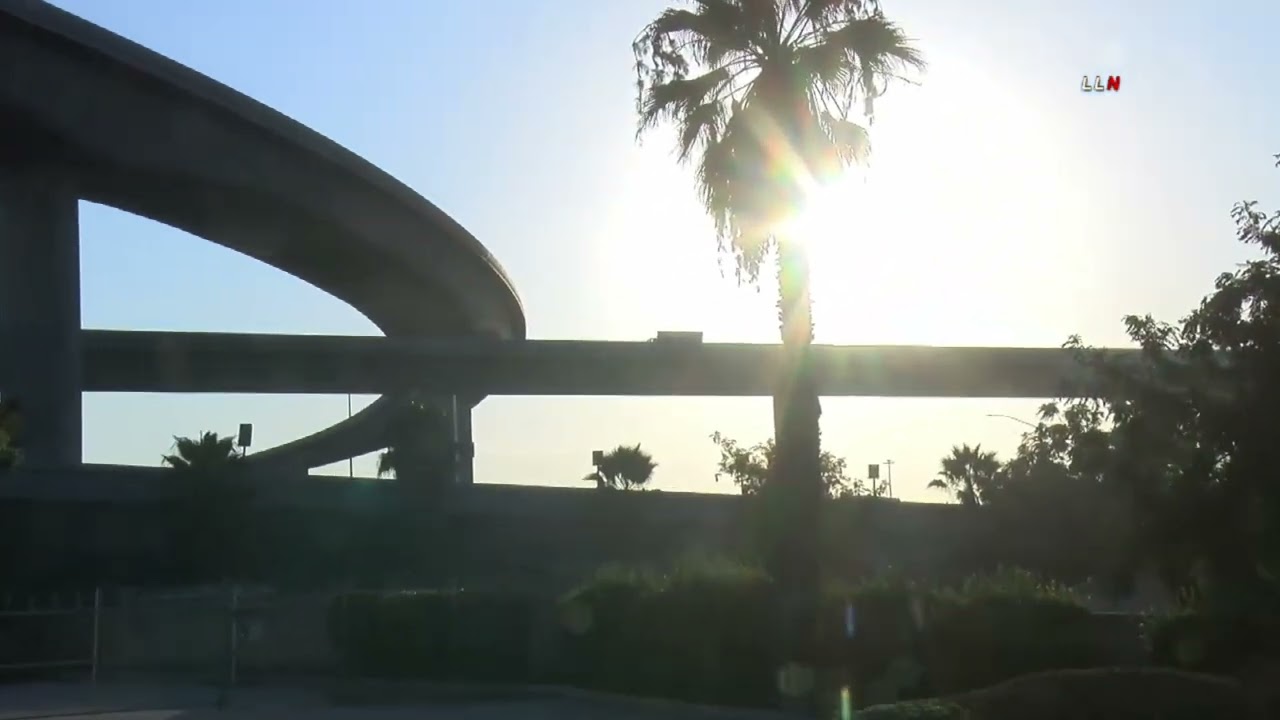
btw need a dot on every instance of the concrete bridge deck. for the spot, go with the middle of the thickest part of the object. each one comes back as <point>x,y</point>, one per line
<point>88,115</point>
<point>244,363</point>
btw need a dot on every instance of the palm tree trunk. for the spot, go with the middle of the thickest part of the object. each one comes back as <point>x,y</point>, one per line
<point>796,470</point>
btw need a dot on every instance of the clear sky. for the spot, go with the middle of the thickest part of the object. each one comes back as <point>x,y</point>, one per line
<point>1003,205</point>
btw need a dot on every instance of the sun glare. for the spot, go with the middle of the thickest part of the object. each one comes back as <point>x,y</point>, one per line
<point>938,242</point>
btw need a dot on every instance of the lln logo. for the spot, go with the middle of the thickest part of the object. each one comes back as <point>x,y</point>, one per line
<point>1113,84</point>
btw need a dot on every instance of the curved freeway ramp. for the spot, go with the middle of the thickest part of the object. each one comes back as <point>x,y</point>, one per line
<point>134,130</point>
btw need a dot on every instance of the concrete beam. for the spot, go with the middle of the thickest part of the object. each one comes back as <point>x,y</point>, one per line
<point>40,312</point>
<point>123,361</point>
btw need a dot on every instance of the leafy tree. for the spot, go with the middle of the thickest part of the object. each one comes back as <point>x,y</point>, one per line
<point>1072,524</point>
<point>760,92</point>
<point>212,516</point>
<point>421,449</point>
<point>1190,435</point>
<point>968,473</point>
<point>624,468</point>
<point>748,467</point>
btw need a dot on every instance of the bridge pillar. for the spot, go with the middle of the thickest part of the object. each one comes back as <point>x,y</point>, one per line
<point>40,312</point>
<point>463,442</point>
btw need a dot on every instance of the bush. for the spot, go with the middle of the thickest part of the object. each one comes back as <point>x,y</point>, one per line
<point>448,635</point>
<point>882,658</point>
<point>1212,642</point>
<point>698,633</point>
<point>913,642</point>
<point>998,627</point>
<point>701,633</point>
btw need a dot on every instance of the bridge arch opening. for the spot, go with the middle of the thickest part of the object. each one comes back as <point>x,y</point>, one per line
<point>138,274</point>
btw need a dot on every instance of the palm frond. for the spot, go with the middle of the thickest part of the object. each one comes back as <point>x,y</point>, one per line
<point>624,467</point>
<point>760,93</point>
<point>206,452</point>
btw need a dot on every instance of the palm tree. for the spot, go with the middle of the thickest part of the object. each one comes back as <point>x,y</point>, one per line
<point>968,473</point>
<point>760,93</point>
<point>206,454</point>
<point>421,448</point>
<point>211,522</point>
<point>624,468</point>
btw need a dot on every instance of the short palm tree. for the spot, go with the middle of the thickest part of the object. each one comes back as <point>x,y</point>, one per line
<point>207,452</point>
<point>968,473</point>
<point>624,468</point>
<point>421,448</point>
<point>211,519</point>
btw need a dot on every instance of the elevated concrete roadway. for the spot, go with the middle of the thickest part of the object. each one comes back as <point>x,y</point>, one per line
<point>210,362</point>
<point>87,114</point>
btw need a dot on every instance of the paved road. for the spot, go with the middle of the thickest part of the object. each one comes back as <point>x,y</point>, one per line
<point>170,702</point>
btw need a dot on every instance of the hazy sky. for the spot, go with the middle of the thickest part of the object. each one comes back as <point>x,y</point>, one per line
<point>1003,205</point>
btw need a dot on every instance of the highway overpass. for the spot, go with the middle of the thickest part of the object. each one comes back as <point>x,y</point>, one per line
<point>129,361</point>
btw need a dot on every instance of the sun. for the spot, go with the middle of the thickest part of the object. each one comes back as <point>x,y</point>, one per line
<point>881,270</point>
<point>852,269</point>
<point>828,210</point>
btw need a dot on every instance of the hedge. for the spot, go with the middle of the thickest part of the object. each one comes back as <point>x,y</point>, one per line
<point>703,632</point>
<point>698,634</point>
<point>1213,642</point>
<point>445,635</point>
<point>703,636</point>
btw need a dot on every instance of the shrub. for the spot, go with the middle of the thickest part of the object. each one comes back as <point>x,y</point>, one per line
<point>697,633</point>
<point>882,658</point>
<point>912,642</point>
<point>1004,625</point>
<point>453,635</point>
<point>702,633</point>
<point>1213,642</point>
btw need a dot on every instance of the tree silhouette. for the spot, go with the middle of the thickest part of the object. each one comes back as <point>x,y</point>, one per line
<point>1191,433</point>
<point>748,468</point>
<point>968,473</point>
<point>421,449</point>
<point>760,92</point>
<point>206,454</point>
<point>211,517</point>
<point>624,468</point>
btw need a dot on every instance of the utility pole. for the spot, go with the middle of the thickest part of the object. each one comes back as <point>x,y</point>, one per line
<point>888,482</point>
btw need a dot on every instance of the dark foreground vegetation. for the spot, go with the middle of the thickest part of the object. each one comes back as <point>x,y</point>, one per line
<point>993,647</point>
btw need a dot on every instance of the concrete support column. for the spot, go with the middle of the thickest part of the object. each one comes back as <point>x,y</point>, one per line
<point>463,442</point>
<point>40,313</point>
